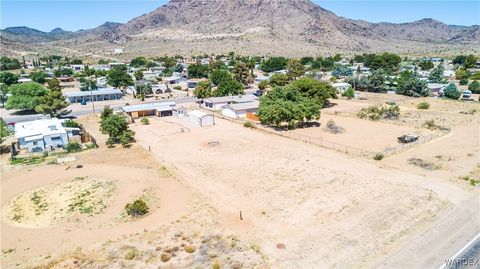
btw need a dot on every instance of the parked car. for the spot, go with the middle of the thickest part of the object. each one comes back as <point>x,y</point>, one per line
<point>404,139</point>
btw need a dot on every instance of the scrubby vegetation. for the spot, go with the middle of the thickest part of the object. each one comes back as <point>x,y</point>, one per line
<point>390,111</point>
<point>73,147</point>
<point>137,208</point>
<point>333,128</point>
<point>145,121</point>
<point>423,105</point>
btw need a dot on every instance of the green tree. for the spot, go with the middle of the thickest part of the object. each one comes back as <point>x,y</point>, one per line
<point>4,131</point>
<point>461,74</point>
<point>3,93</point>
<point>25,96</point>
<point>8,78</point>
<point>436,76</point>
<point>102,61</point>
<point>203,89</point>
<point>317,91</point>
<point>342,71</point>
<point>219,76</point>
<point>9,64</point>
<point>411,85</point>
<point>138,62</point>
<point>459,59</point>
<point>307,60</point>
<point>470,61</point>
<point>278,79</point>
<point>116,127</point>
<point>376,81</point>
<point>118,77</point>
<point>106,112</point>
<point>231,87</point>
<point>451,91</point>
<point>295,68</point>
<point>475,76</point>
<point>263,85</point>
<point>38,76</point>
<point>426,65</point>
<point>53,103</point>
<point>474,87</point>
<point>198,71</point>
<point>138,74</point>
<point>274,64</point>
<point>241,73</point>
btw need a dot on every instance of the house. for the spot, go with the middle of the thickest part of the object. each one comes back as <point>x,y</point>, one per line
<point>159,109</point>
<point>160,88</point>
<point>44,135</point>
<point>217,103</point>
<point>150,75</point>
<point>174,80</point>
<point>77,67</point>
<point>200,118</point>
<point>341,86</point>
<point>436,88</point>
<point>101,67</point>
<point>240,110</point>
<point>99,95</point>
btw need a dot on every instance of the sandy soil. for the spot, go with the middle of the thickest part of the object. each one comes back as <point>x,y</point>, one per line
<point>254,199</point>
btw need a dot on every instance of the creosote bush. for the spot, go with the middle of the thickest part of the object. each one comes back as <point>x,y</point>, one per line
<point>145,121</point>
<point>249,124</point>
<point>73,147</point>
<point>378,157</point>
<point>423,105</point>
<point>137,208</point>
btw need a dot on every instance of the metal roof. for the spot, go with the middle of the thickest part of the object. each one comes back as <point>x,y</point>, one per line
<point>160,106</point>
<point>88,93</point>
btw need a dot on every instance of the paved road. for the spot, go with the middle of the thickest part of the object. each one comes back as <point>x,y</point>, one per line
<point>442,241</point>
<point>85,110</point>
<point>467,258</point>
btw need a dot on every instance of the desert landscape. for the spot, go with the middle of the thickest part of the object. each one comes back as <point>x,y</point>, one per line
<point>250,200</point>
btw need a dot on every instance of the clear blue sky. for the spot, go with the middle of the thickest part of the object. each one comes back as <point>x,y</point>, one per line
<point>83,14</point>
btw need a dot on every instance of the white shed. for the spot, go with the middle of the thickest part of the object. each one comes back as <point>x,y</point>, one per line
<point>200,118</point>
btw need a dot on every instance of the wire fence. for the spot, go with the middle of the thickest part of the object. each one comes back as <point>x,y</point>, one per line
<point>347,149</point>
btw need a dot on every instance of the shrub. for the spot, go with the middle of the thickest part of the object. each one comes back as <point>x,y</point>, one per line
<point>216,266</point>
<point>165,257</point>
<point>333,128</point>
<point>463,81</point>
<point>190,249</point>
<point>431,125</point>
<point>131,253</point>
<point>378,112</point>
<point>423,105</point>
<point>137,208</point>
<point>451,91</point>
<point>71,124</point>
<point>73,147</point>
<point>378,157</point>
<point>145,121</point>
<point>474,87</point>
<point>178,88</point>
<point>349,93</point>
<point>249,124</point>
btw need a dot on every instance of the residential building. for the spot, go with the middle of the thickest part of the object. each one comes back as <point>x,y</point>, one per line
<point>217,103</point>
<point>44,135</point>
<point>240,110</point>
<point>159,109</point>
<point>341,86</point>
<point>99,95</point>
<point>200,118</point>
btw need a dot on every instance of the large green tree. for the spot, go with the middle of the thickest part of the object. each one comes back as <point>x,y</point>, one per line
<point>274,64</point>
<point>241,73</point>
<point>53,103</point>
<point>9,63</point>
<point>409,84</point>
<point>436,75</point>
<point>219,76</point>
<point>8,78</point>
<point>118,77</point>
<point>231,87</point>
<point>451,91</point>
<point>38,76</point>
<point>295,68</point>
<point>116,127</point>
<point>25,96</point>
<point>198,71</point>
<point>203,89</point>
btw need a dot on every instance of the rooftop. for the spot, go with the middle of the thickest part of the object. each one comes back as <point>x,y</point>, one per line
<point>161,106</point>
<point>98,92</point>
<point>39,128</point>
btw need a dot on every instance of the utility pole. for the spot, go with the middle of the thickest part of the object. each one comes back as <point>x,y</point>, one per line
<point>91,96</point>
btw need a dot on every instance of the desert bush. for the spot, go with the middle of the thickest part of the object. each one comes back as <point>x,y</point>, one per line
<point>145,121</point>
<point>73,147</point>
<point>378,157</point>
<point>333,128</point>
<point>249,124</point>
<point>378,112</point>
<point>71,124</point>
<point>423,164</point>
<point>431,125</point>
<point>137,208</point>
<point>190,249</point>
<point>451,91</point>
<point>423,105</point>
<point>131,253</point>
<point>349,93</point>
<point>165,257</point>
<point>178,88</point>
<point>216,265</point>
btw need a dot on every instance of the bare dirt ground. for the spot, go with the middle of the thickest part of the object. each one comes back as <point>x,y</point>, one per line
<point>227,196</point>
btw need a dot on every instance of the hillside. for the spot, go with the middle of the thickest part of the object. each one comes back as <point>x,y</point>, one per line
<point>267,27</point>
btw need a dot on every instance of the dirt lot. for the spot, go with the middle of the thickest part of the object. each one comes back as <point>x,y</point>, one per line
<point>235,197</point>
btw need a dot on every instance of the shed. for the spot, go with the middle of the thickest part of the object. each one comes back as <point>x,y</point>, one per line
<point>200,118</point>
<point>240,110</point>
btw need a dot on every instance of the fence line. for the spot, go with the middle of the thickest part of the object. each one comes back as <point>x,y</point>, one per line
<point>347,149</point>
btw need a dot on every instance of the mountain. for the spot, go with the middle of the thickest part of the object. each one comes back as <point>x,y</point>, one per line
<point>266,27</point>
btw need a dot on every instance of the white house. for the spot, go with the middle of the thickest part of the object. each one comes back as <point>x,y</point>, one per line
<point>240,110</point>
<point>341,86</point>
<point>46,134</point>
<point>77,67</point>
<point>200,118</point>
<point>174,80</point>
<point>217,103</point>
<point>159,109</point>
